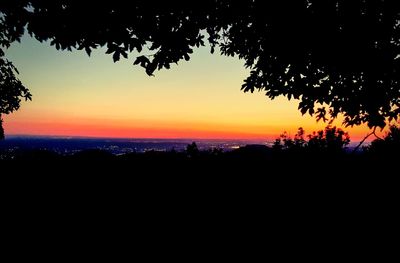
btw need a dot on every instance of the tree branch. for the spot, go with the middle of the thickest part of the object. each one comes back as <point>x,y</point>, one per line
<point>366,137</point>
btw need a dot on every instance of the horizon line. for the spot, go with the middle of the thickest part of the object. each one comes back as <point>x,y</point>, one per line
<point>351,144</point>
<point>139,138</point>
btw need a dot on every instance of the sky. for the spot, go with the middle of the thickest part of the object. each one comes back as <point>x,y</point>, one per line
<point>77,95</point>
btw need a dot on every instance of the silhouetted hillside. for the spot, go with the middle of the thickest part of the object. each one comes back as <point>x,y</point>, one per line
<point>251,179</point>
<point>250,160</point>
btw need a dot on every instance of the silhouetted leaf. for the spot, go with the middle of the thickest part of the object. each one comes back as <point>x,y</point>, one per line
<point>150,68</point>
<point>88,51</point>
<point>142,60</point>
<point>124,54</point>
<point>116,56</point>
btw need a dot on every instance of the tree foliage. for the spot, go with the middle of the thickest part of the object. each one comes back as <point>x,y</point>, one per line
<point>192,150</point>
<point>389,145</point>
<point>330,140</point>
<point>11,90</point>
<point>1,129</point>
<point>334,56</point>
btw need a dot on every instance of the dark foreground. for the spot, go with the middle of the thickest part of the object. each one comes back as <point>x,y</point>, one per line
<point>244,192</point>
<point>246,175</point>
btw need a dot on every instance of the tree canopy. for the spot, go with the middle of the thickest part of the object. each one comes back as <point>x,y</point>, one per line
<point>389,145</point>
<point>334,56</point>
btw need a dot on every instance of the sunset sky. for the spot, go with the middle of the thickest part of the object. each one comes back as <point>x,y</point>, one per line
<point>75,95</point>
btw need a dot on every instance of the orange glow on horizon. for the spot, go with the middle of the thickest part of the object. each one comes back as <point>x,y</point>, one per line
<point>146,129</point>
<point>123,130</point>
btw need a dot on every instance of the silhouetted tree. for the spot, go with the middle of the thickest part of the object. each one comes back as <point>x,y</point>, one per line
<point>11,89</point>
<point>285,142</point>
<point>335,56</point>
<point>192,151</point>
<point>277,145</point>
<point>1,129</point>
<point>299,140</point>
<point>288,142</point>
<point>389,145</point>
<point>330,140</point>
